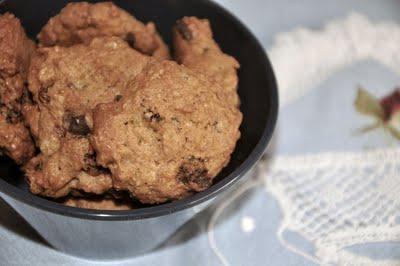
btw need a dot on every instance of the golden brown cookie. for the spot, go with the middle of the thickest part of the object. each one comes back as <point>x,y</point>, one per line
<point>195,48</point>
<point>81,22</point>
<point>169,137</point>
<point>66,84</point>
<point>102,203</point>
<point>15,55</point>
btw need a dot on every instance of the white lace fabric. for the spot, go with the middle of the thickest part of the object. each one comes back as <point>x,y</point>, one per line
<point>333,200</point>
<point>302,58</point>
<point>336,200</point>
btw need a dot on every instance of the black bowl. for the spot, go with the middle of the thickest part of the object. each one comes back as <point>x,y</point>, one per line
<point>118,234</point>
<point>257,90</point>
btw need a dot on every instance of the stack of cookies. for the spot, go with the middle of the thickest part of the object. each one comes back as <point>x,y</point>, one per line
<point>99,116</point>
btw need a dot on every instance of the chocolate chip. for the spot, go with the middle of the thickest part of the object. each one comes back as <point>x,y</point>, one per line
<point>194,174</point>
<point>77,125</point>
<point>184,30</point>
<point>117,98</point>
<point>130,39</point>
<point>151,116</point>
<point>13,116</point>
<point>27,97</point>
<point>156,117</point>
<point>43,96</point>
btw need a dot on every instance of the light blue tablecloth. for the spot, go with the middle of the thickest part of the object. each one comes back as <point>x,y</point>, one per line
<point>305,126</point>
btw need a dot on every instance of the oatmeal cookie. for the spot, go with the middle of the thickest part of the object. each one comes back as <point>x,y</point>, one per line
<point>81,22</point>
<point>15,55</point>
<point>195,48</point>
<point>102,203</point>
<point>66,84</point>
<point>169,137</point>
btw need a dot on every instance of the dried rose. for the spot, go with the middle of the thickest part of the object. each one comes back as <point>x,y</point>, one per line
<point>385,111</point>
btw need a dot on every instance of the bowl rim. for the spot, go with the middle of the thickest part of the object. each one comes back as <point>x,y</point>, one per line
<point>179,205</point>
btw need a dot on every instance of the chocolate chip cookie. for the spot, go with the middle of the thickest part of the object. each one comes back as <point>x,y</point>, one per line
<point>195,48</point>
<point>169,136</point>
<point>81,22</point>
<point>66,84</point>
<point>100,203</point>
<point>15,55</point>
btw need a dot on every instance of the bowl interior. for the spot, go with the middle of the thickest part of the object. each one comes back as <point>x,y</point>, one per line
<point>257,88</point>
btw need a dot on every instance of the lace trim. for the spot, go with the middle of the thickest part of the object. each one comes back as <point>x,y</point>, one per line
<point>333,200</point>
<point>336,200</point>
<point>339,44</point>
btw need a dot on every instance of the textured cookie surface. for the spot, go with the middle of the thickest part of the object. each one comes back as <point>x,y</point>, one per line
<point>81,22</point>
<point>195,48</point>
<point>15,55</point>
<point>98,204</point>
<point>169,137</point>
<point>66,84</point>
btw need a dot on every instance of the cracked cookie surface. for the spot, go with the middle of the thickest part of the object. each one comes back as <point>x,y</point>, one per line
<point>195,48</point>
<point>15,55</point>
<point>169,136</point>
<point>81,22</point>
<point>66,84</point>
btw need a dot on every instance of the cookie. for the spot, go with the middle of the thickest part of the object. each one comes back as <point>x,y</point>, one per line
<point>67,83</point>
<point>169,136</point>
<point>81,22</point>
<point>195,48</point>
<point>100,203</point>
<point>16,51</point>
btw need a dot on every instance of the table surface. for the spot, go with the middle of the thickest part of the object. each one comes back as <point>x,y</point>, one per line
<point>246,232</point>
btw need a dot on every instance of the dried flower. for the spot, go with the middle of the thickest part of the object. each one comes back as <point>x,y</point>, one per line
<point>385,111</point>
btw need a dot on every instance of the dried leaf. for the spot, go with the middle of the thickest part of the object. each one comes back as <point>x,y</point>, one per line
<point>395,132</point>
<point>367,104</point>
<point>371,127</point>
<point>393,125</point>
